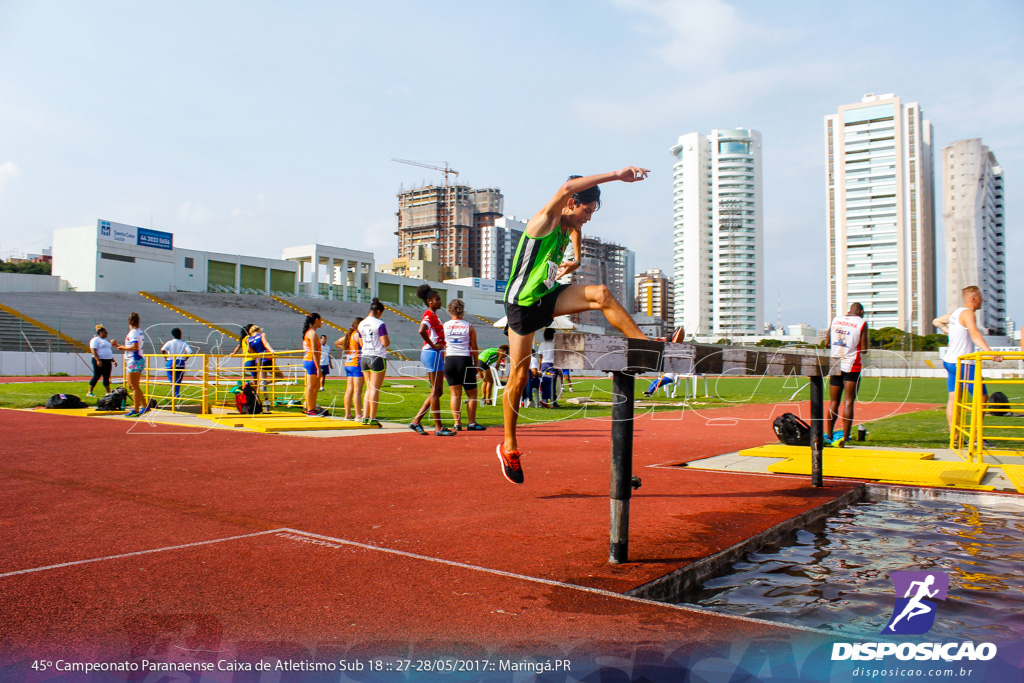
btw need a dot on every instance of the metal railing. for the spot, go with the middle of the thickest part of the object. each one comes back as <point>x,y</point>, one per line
<point>204,382</point>
<point>978,426</point>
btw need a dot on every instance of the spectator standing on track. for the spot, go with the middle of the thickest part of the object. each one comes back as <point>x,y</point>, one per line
<point>325,361</point>
<point>240,346</point>
<point>964,337</point>
<point>374,343</point>
<point>311,363</point>
<point>460,360</point>
<point>102,360</point>
<point>432,357</point>
<point>259,359</point>
<point>348,343</point>
<point>546,351</point>
<point>848,338</point>
<point>135,365</point>
<point>533,298</point>
<point>532,386</point>
<point>492,356</point>
<point>174,349</point>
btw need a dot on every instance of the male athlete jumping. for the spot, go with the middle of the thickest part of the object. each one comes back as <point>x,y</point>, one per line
<point>533,298</point>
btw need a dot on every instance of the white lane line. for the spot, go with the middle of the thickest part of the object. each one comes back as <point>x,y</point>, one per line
<point>139,552</point>
<point>283,533</point>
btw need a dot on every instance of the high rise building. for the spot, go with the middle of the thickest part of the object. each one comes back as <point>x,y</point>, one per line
<point>718,270</point>
<point>608,264</point>
<point>972,209</point>
<point>880,213</point>
<point>448,220</point>
<point>654,294</point>
<point>498,244</point>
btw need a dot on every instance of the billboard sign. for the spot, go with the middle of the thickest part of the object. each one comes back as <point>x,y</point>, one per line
<point>129,234</point>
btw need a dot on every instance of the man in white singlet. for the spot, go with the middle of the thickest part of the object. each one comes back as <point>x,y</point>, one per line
<point>964,337</point>
<point>848,338</point>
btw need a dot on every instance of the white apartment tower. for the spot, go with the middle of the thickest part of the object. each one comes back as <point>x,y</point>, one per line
<point>972,209</point>
<point>718,224</point>
<point>881,213</point>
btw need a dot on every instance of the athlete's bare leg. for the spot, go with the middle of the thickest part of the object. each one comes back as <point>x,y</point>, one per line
<point>850,397</point>
<point>580,298</point>
<point>835,397</point>
<point>520,347</point>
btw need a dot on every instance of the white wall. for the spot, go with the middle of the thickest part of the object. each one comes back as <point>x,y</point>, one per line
<point>24,282</point>
<point>75,255</point>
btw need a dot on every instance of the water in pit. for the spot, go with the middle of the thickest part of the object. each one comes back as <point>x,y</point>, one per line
<point>835,574</point>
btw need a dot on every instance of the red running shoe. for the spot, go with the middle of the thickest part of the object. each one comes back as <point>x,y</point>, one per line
<point>510,466</point>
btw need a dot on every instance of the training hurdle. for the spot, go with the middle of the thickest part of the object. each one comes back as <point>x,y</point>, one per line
<point>625,358</point>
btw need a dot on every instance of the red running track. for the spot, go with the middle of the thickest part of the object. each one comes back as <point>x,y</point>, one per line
<point>400,541</point>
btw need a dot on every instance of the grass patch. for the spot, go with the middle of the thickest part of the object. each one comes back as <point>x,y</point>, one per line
<point>402,397</point>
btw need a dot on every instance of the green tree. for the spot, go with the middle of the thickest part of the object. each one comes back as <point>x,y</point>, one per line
<point>770,343</point>
<point>26,268</point>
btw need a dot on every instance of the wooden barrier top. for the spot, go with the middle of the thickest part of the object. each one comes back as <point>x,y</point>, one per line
<point>583,351</point>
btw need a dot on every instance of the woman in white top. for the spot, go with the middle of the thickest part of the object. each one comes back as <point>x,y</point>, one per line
<point>134,365</point>
<point>964,336</point>
<point>373,343</point>
<point>102,360</point>
<point>174,350</point>
<point>460,364</point>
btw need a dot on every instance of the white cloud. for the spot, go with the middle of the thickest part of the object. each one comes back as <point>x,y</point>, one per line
<point>239,212</point>
<point>694,34</point>
<point>8,172</point>
<point>194,213</point>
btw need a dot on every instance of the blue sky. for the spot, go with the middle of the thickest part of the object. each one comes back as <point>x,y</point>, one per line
<point>250,126</point>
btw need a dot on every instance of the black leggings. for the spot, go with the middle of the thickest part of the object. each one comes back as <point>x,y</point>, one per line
<point>101,368</point>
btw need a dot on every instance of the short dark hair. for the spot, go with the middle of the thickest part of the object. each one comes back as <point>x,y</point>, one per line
<point>376,306</point>
<point>549,334</point>
<point>176,333</point>
<point>587,196</point>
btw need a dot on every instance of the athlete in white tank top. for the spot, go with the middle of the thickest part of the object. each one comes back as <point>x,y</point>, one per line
<point>845,335</point>
<point>960,342</point>
<point>964,338</point>
<point>456,335</point>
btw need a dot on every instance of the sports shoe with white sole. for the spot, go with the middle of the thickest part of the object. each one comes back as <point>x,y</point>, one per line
<point>510,467</point>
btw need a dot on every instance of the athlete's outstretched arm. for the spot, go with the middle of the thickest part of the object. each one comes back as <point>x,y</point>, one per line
<point>545,220</point>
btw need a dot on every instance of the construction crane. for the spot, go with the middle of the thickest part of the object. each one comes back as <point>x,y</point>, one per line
<point>446,169</point>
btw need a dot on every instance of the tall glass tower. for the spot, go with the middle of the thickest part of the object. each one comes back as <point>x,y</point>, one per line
<point>881,213</point>
<point>718,225</point>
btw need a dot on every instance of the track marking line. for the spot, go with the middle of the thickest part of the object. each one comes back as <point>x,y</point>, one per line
<point>139,552</point>
<point>284,533</point>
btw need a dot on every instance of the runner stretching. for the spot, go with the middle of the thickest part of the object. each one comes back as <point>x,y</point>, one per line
<point>848,337</point>
<point>533,299</point>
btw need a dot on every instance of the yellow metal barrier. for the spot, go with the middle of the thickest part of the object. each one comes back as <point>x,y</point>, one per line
<point>204,382</point>
<point>976,424</point>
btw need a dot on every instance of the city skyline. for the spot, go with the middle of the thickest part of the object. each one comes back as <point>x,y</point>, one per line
<point>278,125</point>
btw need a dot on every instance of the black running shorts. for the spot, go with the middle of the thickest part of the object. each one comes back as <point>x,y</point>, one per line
<point>526,320</point>
<point>459,371</point>
<point>372,364</point>
<point>840,380</point>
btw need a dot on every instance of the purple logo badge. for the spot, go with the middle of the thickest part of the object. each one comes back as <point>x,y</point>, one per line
<point>914,612</point>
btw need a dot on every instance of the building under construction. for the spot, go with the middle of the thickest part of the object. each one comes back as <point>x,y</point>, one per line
<point>609,264</point>
<point>449,220</point>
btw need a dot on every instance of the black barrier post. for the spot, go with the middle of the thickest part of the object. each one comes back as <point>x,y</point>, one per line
<point>623,387</point>
<point>817,429</point>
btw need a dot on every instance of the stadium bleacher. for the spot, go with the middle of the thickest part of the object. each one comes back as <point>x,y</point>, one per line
<point>77,313</point>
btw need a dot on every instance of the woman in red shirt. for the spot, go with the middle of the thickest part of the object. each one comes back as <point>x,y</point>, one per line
<point>432,357</point>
